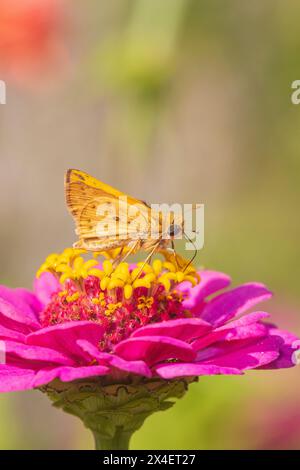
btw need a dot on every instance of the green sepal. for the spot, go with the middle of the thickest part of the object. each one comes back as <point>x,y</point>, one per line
<point>114,411</point>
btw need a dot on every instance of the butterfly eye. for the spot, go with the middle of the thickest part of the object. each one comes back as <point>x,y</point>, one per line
<point>174,230</point>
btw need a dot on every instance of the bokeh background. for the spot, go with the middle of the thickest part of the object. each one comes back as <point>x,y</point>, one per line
<point>174,100</point>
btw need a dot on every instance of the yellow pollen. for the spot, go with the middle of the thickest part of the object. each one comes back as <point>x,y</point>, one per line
<point>165,282</point>
<point>113,283</point>
<point>157,266</point>
<point>121,272</point>
<point>99,300</point>
<point>145,302</point>
<point>97,273</point>
<point>147,268</point>
<point>71,265</point>
<point>142,283</point>
<point>73,297</point>
<point>107,267</point>
<point>111,308</point>
<point>175,295</point>
<point>128,291</point>
<point>62,293</point>
<point>104,283</point>
<point>170,266</point>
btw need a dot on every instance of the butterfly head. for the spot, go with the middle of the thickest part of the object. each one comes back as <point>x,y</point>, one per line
<point>175,230</point>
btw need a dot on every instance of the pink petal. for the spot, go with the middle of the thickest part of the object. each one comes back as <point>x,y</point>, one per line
<point>211,282</point>
<point>243,328</point>
<point>171,371</point>
<point>63,337</point>
<point>153,349</point>
<point>286,336</point>
<point>15,319</point>
<point>45,286</point>
<point>133,367</point>
<point>209,339</point>
<point>34,353</point>
<point>230,304</point>
<point>7,333</point>
<point>183,328</point>
<point>31,300</point>
<point>288,344</point>
<point>93,351</point>
<point>13,379</point>
<point>24,303</point>
<point>245,320</point>
<point>255,330</point>
<point>242,355</point>
<point>67,374</point>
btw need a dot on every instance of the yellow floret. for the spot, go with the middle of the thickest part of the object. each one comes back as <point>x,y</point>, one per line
<point>111,308</point>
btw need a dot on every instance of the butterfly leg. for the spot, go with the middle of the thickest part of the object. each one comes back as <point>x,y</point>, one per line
<point>119,259</point>
<point>155,247</point>
<point>175,254</point>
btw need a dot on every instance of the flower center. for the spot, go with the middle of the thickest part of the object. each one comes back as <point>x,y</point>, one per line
<point>122,298</point>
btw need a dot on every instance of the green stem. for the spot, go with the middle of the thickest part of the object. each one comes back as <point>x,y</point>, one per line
<point>120,441</point>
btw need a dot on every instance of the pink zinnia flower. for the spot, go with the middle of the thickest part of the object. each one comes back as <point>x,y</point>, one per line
<point>149,325</point>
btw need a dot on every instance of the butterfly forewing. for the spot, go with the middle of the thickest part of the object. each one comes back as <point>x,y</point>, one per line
<point>105,217</point>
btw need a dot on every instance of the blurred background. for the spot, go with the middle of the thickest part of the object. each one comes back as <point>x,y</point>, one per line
<point>174,101</point>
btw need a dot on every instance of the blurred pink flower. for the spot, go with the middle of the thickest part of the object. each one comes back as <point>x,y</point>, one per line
<point>281,430</point>
<point>32,39</point>
<point>160,325</point>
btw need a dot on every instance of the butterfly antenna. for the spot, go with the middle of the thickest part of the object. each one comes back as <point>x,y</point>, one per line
<point>195,252</point>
